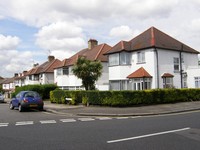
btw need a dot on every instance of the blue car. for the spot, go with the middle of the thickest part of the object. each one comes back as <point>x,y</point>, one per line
<point>26,99</point>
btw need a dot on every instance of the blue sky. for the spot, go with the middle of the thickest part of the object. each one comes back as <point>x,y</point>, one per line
<point>32,30</point>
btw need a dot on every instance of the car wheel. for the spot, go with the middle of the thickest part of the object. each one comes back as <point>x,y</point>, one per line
<point>41,108</point>
<point>20,108</point>
<point>11,106</point>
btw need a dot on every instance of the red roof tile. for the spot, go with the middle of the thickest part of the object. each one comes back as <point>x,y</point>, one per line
<point>140,73</point>
<point>96,53</point>
<point>46,67</point>
<point>167,75</point>
<point>152,38</point>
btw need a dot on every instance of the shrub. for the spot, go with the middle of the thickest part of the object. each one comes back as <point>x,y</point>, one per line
<point>126,98</point>
<point>43,90</point>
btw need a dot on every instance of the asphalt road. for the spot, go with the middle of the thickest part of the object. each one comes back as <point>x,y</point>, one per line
<point>36,130</point>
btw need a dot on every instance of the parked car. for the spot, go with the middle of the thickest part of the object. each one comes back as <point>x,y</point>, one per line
<point>1,98</point>
<point>26,99</point>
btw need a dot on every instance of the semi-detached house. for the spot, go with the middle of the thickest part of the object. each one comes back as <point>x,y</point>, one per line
<point>153,60</point>
<point>64,77</point>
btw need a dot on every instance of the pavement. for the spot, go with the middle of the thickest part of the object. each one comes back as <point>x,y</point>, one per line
<point>81,110</point>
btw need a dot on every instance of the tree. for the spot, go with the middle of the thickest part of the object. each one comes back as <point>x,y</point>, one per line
<point>88,71</point>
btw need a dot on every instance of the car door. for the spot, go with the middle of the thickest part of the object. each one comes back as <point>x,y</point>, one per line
<point>15,100</point>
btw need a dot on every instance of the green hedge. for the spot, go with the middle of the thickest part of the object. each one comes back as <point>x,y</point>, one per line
<point>126,98</point>
<point>43,90</point>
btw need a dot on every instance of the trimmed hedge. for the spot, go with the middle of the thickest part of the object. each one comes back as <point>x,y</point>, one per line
<point>43,90</point>
<point>126,98</point>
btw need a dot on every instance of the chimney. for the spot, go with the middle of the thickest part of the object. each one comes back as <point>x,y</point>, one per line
<point>24,72</point>
<point>16,75</point>
<point>92,43</point>
<point>35,65</point>
<point>51,58</point>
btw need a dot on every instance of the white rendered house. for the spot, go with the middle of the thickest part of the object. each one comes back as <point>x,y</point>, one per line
<point>64,77</point>
<point>153,60</point>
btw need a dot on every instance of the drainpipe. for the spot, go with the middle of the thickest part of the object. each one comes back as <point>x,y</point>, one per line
<point>181,67</point>
<point>157,67</point>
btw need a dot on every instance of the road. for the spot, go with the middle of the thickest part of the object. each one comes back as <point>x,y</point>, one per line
<point>35,130</point>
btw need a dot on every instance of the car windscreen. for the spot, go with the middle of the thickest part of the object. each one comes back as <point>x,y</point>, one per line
<point>31,94</point>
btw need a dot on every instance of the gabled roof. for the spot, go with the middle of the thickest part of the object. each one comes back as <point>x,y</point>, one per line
<point>149,39</point>
<point>46,67</point>
<point>140,73</point>
<point>96,53</point>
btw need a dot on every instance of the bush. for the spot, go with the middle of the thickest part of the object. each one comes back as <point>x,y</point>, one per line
<point>43,90</point>
<point>126,98</point>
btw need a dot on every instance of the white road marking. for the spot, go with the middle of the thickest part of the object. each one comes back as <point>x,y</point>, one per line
<point>104,118</point>
<point>22,123</point>
<point>86,119</point>
<point>122,117</point>
<point>68,120</point>
<point>147,135</point>
<point>135,117</point>
<point>47,121</point>
<point>4,124</point>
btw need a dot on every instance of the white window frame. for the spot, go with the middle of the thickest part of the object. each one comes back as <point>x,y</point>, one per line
<point>140,57</point>
<point>114,59</point>
<point>197,82</point>
<point>167,82</point>
<point>176,64</point>
<point>125,58</point>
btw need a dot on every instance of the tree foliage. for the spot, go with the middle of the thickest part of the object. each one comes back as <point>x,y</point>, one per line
<point>88,71</point>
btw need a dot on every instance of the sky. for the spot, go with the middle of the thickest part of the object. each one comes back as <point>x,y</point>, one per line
<point>30,30</point>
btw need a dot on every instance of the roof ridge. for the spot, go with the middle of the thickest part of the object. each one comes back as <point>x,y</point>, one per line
<point>49,66</point>
<point>152,36</point>
<point>99,52</point>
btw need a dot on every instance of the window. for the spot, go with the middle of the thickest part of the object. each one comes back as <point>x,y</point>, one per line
<point>119,85</point>
<point>140,57</point>
<point>167,82</point>
<point>125,58</point>
<point>114,59</point>
<point>141,83</point>
<point>63,71</point>
<point>197,82</point>
<point>59,71</point>
<point>176,64</point>
<point>66,71</point>
<point>115,85</point>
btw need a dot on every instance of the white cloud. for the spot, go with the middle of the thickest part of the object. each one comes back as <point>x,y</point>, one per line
<point>39,13</point>
<point>14,61</point>
<point>62,37</point>
<point>123,32</point>
<point>8,42</point>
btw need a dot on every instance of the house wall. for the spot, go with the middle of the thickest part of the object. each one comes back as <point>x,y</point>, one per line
<point>72,82</point>
<point>103,83</point>
<point>47,78</point>
<point>122,71</point>
<point>64,81</point>
<point>191,74</point>
<point>165,65</point>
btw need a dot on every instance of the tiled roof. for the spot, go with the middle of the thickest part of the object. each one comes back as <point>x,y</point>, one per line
<point>46,67</point>
<point>96,53</point>
<point>167,75</point>
<point>140,73</point>
<point>152,38</point>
